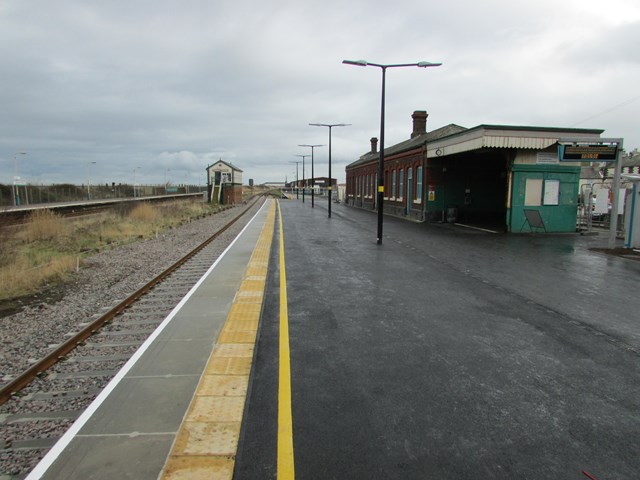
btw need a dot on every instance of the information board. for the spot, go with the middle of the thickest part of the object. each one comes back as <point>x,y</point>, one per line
<point>587,153</point>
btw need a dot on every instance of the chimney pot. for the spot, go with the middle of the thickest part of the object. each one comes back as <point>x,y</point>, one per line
<point>374,145</point>
<point>419,123</point>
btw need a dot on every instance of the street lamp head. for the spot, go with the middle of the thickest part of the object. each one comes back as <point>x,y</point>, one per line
<point>330,124</point>
<point>428,64</point>
<point>311,146</point>
<point>359,63</point>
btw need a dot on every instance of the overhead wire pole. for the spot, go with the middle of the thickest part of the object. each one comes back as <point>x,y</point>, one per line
<point>297,184</point>
<point>312,174</point>
<point>304,182</point>
<point>330,179</point>
<point>364,63</point>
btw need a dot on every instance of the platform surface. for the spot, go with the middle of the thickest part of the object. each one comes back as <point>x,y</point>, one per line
<point>447,353</point>
<point>444,353</point>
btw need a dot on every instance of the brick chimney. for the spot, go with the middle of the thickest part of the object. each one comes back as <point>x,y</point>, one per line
<point>374,145</point>
<point>419,123</point>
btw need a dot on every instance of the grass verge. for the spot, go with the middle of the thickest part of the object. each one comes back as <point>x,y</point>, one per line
<point>49,248</point>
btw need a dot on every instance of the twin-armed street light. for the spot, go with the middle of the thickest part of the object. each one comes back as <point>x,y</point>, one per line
<point>364,63</point>
<point>330,180</point>
<point>312,174</point>
<point>304,182</point>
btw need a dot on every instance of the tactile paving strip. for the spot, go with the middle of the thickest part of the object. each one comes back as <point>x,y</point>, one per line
<point>207,441</point>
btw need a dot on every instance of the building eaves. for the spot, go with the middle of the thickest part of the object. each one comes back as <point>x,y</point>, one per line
<point>410,144</point>
<point>228,164</point>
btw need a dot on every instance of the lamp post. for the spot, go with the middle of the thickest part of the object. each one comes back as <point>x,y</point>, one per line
<point>297,163</point>
<point>364,63</point>
<point>89,179</point>
<point>312,174</point>
<point>16,190</point>
<point>134,181</point>
<point>165,179</point>
<point>330,179</point>
<point>304,183</point>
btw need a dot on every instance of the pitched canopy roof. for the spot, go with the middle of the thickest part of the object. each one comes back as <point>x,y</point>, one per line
<point>228,164</point>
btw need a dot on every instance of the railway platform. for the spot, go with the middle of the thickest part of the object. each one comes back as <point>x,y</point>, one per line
<point>129,430</point>
<point>445,352</point>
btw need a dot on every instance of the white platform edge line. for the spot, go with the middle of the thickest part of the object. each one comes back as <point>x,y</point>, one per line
<point>52,455</point>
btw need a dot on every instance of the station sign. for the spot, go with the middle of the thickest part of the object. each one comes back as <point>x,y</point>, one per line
<point>587,152</point>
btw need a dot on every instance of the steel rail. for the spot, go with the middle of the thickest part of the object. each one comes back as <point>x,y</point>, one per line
<point>26,377</point>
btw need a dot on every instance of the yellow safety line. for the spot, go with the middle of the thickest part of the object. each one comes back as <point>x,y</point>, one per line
<point>286,469</point>
<point>207,442</point>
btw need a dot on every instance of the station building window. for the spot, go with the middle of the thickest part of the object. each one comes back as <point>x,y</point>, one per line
<point>393,184</point>
<point>386,184</point>
<point>401,184</point>
<point>419,184</point>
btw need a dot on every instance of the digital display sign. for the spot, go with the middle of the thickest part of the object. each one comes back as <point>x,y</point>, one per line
<point>587,153</point>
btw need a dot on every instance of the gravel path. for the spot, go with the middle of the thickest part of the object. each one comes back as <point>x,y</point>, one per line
<point>106,279</point>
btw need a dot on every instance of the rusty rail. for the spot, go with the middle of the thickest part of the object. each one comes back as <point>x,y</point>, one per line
<point>26,377</point>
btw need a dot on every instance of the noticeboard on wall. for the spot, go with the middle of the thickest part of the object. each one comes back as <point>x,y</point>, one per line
<point>551,192</point>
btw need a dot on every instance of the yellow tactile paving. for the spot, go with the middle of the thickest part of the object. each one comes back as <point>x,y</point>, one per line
<point>252,285</point>
<point>234,350</point>
<point>215,409</point>
<point>207,438</point>
<point>241,325</point>
<point>249,297</point>
<point>229,366</point>
<point>199,468</point>
<point>225,385</point>
<point>207,441</point>
<point>245,309</point>
<point>246,336</point>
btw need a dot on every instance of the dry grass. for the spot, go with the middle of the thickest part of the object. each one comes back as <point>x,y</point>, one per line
<point>17,280</point>
<point>144,213</point>
<point>45,225</point>
<point>49,247</point>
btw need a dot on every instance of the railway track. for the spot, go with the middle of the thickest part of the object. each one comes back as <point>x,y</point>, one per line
<point>16,218</point>
<point>40,404</point>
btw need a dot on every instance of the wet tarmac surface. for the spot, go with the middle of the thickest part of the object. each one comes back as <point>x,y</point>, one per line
<point>447,353</point>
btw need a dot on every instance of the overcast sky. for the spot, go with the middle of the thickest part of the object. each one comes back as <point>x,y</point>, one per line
<point>171,86</point>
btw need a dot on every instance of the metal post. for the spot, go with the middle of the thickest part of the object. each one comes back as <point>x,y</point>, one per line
<point>330,179</point>
<point>312,173</point>
<point>304,182</point>
<point>297,182</point>
<point>381,162</point>
<point>16,188</point>
<point>613,220</point>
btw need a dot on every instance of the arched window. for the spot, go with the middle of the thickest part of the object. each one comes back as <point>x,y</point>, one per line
<point>401,184</point>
